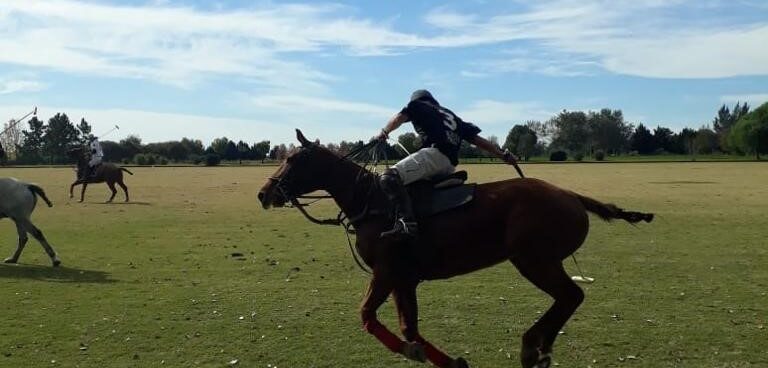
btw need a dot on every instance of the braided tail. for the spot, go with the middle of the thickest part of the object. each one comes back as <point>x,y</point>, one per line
<point>608,211</point>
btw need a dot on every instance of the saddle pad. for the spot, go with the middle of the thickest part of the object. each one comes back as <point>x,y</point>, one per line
<point>440,200</point>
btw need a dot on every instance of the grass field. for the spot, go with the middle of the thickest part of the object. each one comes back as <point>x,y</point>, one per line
<point>154,283</point>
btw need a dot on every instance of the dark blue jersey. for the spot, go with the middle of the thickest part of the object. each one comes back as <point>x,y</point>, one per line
<point>439,127</point>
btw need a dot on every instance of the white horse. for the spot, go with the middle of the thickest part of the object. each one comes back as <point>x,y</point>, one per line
<point>17,201</point>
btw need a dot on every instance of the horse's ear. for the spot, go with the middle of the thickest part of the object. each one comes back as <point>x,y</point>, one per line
<point>303,140</point>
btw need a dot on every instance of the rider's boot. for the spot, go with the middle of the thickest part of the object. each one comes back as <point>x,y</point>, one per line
<point>405,221</point>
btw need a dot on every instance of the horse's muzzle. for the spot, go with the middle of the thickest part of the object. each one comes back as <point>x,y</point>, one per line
<point>270,198</point>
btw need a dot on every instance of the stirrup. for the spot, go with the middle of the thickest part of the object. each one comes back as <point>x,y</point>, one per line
<point>402,227</point>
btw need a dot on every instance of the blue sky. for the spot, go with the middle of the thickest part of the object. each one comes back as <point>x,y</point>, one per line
<point>255,70</point>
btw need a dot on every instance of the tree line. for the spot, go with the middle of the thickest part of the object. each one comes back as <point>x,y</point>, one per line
<point>576,134</point>
<point>736,131</point>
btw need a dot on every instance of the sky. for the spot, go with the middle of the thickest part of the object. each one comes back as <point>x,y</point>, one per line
<point>256,70</point>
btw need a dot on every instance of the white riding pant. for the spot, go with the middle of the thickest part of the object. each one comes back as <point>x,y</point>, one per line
<point>425,163</point>
<point>95,160</point>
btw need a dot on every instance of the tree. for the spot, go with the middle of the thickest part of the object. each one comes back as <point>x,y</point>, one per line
<point>410,141</point>
<point>230,151</point>
<point>84,130</point>
<point>686,140</point>
<point>663,138</point>
<point>260,150</point>
<point>750,133</point>
<point>278,152</point>
<point>521,140</point>
<point>60,135</point>
<point>11,140</point>
<point>571,130</point>
<point>32,142</point>
<point>131,145</point>
<point>193,146</point>
<point>725,120</point>
<point>114,151</point>
<point>243,151</point>
<point>219,146</point>
<point>608,131</point>
<point>642,140</point>
<point>705,141</point>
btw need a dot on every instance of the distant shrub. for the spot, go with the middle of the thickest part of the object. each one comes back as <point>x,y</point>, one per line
<point>140,159</point>
<point>599,155</point>
<point>578,156</point>
<point>558,156</point>
<point>212,159</point>
<point>196,159</point>
<point>149,159</point>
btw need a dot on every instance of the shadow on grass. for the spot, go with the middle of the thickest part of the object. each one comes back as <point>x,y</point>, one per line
<point>123,203</point>
<point>53,274</point>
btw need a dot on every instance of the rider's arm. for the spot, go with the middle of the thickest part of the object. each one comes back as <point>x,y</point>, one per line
<point>491,148</point>
<point>393,123</point>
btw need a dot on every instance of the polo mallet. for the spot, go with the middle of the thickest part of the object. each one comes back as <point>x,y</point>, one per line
<point>109,132</point>
<point>13,122</point>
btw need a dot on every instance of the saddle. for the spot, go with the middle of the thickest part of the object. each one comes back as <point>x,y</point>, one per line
<point>430,197</point>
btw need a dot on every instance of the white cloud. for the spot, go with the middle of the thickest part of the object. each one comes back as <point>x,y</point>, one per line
<point>264,43</point>
<point>505,113</point>
<point>9,86</point>
<point>753,99</point>
<point>641,38</point>
<point>310,106</point>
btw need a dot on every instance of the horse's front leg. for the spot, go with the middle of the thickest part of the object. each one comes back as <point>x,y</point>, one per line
<point>378,291</point>
<point>22,243</point>
<point>419,348</point>
<point>72,189</point>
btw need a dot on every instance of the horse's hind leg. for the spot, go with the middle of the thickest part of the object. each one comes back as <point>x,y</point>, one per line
<point>549,276</point>
<point>22,243</point>
<point>125,189</point>
<point>82,192</point>
<point>419,348</point>
<point>111,185</point>
<point>37,234</point>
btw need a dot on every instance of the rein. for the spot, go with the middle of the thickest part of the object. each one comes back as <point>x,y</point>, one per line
<point>341,219</point>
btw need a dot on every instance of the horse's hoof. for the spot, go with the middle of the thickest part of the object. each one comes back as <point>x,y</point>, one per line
<point>9,260</point>
<point>459,363</point>
<point>545,360</point>
<point>414,351</point>
<point>56,263</point>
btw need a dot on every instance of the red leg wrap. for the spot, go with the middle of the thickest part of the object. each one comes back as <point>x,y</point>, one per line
<point>434,355</point>
<point>392,342</point>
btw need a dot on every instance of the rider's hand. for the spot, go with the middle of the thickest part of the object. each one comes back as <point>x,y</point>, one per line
<point>383,136</point>
<point>510,158</point>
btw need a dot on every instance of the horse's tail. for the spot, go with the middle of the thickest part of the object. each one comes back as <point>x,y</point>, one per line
<point>608,211</point>
<point>126,170</point>
<point>40,192</point>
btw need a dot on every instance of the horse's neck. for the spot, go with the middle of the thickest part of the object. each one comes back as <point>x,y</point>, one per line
<point>352,187</point>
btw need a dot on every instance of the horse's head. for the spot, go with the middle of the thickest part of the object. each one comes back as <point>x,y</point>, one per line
<point>303,171</point>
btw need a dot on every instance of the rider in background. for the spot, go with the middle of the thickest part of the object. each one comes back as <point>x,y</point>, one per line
<point>441,133</point>
<point>97,155</point>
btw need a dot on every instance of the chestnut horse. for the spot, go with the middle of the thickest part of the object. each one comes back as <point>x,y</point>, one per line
<point>532,224</point>
<point>105,172</point>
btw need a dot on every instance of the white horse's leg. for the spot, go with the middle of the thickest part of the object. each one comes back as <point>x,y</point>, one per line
<point>37,234</point>
<point>22,242</point>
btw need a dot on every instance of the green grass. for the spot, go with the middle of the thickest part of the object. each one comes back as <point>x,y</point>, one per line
<point>154,283</point>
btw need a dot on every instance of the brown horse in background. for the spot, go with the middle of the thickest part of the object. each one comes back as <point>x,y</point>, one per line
<point>105,172</point>
<point>533,224</point>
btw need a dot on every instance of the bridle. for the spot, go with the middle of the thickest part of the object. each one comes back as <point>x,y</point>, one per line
<point>282,184</point>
